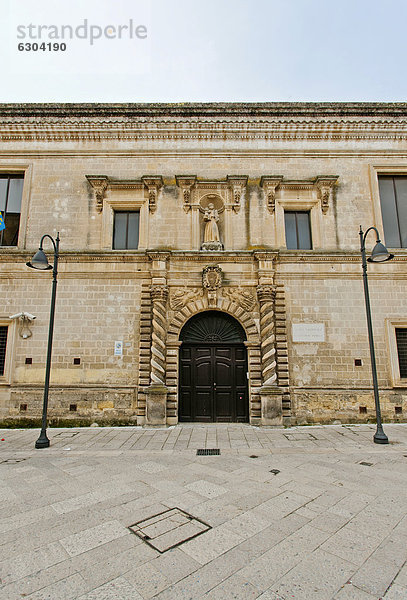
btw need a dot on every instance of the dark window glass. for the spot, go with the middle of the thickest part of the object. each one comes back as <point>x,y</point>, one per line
<point>3,344</point>
<point>126,230</point>
<point>11,192</point>
<point>401,339</point>
<point>393,200</point>
<point>297,230</point>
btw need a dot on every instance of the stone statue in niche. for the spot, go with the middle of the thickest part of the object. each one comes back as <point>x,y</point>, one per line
<point>211,206</point>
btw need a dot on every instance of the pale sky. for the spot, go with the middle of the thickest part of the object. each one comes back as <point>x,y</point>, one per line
<point>212,50</point>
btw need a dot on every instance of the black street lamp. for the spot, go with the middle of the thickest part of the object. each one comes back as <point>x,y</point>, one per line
<point>40,262</point>
<point>379,254</point>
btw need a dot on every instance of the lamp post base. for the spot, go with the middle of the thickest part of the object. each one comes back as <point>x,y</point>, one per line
<point>42,442</point>
<point>380,437</point>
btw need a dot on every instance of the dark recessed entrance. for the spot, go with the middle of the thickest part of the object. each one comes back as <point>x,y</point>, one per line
<point>213,370</point>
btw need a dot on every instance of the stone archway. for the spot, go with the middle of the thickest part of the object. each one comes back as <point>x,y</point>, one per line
<point>252,343</point>
<point>213,384</point>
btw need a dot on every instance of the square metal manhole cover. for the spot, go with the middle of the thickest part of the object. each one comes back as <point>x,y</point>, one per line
<point>66,434</point>
<point>208,452</point>
<point>169,529</point>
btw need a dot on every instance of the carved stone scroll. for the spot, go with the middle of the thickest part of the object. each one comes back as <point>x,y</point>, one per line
<point>186,183</point>
<point>100,184</point>
<point>270,185</point>
<point>266,295</point>
<point>153,184</point>
<point>159,296</point>
<point>324,187</point>
<point>237,185</point>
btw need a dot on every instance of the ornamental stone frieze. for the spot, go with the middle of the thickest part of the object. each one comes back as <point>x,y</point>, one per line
<point>245,298</point>
<point>181,297</point>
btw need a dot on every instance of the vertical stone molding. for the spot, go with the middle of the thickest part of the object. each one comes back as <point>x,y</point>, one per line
<point>266,295</point>
<point>159,296</point>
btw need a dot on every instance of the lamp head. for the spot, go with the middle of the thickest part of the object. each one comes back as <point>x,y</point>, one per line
<point>39,261</point>
<point>380,253</point>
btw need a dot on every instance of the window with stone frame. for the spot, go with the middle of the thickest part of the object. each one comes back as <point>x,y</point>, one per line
<point>393,202</point>
<point>297,230</point>
<point>126,228</point>
<point>3,347</point>
<point>401,341</point>
<point>11,192</point>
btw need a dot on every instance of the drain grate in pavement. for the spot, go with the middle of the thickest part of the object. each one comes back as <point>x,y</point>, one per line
<point>169,529</point>
<point>366,464</point>
<point>208,452</point>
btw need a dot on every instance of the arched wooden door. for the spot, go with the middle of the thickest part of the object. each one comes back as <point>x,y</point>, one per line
<point>213,370</point>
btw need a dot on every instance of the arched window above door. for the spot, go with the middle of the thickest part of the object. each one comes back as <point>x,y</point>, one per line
<point>212,327</point>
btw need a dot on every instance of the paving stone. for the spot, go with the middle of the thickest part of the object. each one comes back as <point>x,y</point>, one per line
<point>118,588</point>
<point>319,576</point>
<point>64,589</point>
<point>93,537</point>
<point>350,592</point>
<point>396,592</point>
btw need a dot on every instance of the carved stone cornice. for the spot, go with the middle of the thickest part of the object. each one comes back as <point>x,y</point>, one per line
<point>324,185</point>
<point>153,184</point>
<point>186,183</point>
<point>270,184</point>
<point>237,184</point>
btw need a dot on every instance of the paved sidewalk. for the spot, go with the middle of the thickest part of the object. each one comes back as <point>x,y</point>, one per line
<point>306,513</point>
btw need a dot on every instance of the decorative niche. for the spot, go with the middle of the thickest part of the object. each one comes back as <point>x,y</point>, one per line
<point>226,196</point>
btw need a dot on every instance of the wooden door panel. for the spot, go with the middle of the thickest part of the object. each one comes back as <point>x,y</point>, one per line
<point>213,383</point>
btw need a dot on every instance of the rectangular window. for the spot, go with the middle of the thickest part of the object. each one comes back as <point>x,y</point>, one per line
<point>393,201</point>
<point>126,230</point>
<point>3,345</point>
<point>11,193</point>
<point>401,340</point>
<point>297,230</point>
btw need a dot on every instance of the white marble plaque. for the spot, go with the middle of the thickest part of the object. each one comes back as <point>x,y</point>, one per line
<point>308,332</point>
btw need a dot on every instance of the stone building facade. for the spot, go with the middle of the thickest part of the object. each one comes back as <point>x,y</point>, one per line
<point>210,264</point>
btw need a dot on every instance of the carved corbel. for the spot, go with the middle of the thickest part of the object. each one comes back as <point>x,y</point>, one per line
<point>186,183</point>
<point>270,183</point>
<point>237,185</point>
<point>153,185</point>
<point>100,184</point>
<point>324,187</point>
